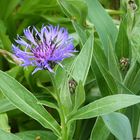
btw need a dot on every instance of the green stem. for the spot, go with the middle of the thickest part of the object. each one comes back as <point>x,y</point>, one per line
<point>64,135</point>
<point>61,112</point>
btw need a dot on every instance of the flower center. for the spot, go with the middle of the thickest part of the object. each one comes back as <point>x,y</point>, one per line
<point>41,53</point>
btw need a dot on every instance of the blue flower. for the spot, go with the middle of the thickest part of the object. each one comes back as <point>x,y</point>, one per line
<point>44,49</point>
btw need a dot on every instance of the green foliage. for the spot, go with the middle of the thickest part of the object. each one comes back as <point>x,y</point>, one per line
<point>105,105</point>
<point>36,134</point>
<point>99,128</point>
<point>83,61</point>
<point>26,102</point>
<point>7,135</point>
<point>119,125</point>
<point>95,95</point>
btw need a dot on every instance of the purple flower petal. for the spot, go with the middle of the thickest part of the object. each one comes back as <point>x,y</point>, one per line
<point>46,48</point>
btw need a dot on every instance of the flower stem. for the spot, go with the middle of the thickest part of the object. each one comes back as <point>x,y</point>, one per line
<point>64,135</point>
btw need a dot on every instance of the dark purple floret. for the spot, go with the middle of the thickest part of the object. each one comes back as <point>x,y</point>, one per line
<point>44,49</point>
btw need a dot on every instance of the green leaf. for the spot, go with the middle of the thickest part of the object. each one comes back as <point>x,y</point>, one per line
<point>79,96</point>
<point>133,113</point>
<point>76,10</point>
<point>99,131</point>
<point>75,38</point>
<point>6,43</point>
<point>132,77</point>
<point>135,83</point>
<point>57,20</point>
<point>119,125</point>
<point>26,102</point>
<point>105,105</point>
<point>133,28</point>
<point>6,105</point>
<point>102,84</point>
<point>65,96</point>
<point>7,7</point>
<point>122,46</point>
<point>46,89</point>
<point>4,122</point>
<point>103,23</point>
<point>102,63</point>
<point>31,7</point>
<point>138,131</point>
<point>28,5</point>
<point>113,63</point>
<point>47,103</point>
<point>61,72</point>
<point>82,62</point>
<point>8,136</point>
<point>83,129</point>
<point>14,71</point>
<point>80,31</point>
<point>33,135</point>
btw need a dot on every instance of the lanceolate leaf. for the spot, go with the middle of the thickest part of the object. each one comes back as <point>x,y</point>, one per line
<point>6,105</point>
<point>103,23</point>
<point>65,97</point>
<point>119,125</point>
<point>26,102</point>
<point>99,131</point>
<point>47,103</point>
<point>105,105</point>
<point>122,46</point>
<point>101,61</point>
<point>134,117</point>
<point>82,63</point>
<point>80,31</point>
<point>8,136</point>
<point>132,77</point>
<point>74,9</point>
<point>113,63</point>
<point>102,84</point>
<point>79,95</point>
